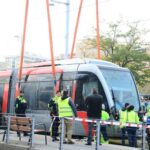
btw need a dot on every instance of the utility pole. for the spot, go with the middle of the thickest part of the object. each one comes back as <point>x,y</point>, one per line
<point>67,3</point>
<point>67,27</point>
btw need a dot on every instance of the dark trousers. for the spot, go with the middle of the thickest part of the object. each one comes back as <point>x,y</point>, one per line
<point>132,136</point>
<point>91,126</point>
<point>148,137</point>
<point>123,135</point>
<point>104,132</point>
<point>55,126</point>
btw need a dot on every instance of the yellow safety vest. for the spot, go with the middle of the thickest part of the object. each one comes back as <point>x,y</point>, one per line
<point>56,99</point>
<point>22,100</point>
<point>105,116</point>
<point>132,117</point>
<point>64,108</point>
<point>122,115</point>
<point>148,112</point>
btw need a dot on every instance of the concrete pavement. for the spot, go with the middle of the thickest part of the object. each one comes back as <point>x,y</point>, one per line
<point>39,144</point>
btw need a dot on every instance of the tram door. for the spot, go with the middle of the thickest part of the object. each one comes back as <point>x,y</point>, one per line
<point>85,84</point>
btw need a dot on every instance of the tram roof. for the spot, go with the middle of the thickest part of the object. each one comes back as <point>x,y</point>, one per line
<point>73,61</point>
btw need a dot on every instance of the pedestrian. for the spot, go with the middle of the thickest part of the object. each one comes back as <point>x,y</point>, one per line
<point>105,116</point>
<point>94,106</point>
<point>53,108</point>
<point>131,117</point>
<point>66,108</point>
<point>148,129</point>
<point>142,112</point>
<point>122,115</point>
<point>21,107</point>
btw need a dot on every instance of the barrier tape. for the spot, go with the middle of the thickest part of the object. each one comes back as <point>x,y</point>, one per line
<point>112,123</point>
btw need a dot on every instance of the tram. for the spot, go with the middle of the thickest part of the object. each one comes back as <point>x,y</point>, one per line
<point>78,76</point>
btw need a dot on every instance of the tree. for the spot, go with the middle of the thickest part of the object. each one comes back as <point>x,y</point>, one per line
<point>123,45</point>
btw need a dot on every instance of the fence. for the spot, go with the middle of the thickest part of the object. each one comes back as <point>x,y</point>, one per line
<point>143,128</point>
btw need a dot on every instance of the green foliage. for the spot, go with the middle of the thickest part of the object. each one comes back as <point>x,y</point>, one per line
<point>124,46</point>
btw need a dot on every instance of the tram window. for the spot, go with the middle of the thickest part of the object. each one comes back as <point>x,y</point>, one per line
<point>1,91</point>
<point>46,92</point>
<point>68,86</point>
<point>69,76</point>
<point>4,80</point>
<point>122,87</point>
<point>1,95</point>
<point>30,91</point>
<point>48,77</point>
<point>43,77</point>
<point>32,78</point>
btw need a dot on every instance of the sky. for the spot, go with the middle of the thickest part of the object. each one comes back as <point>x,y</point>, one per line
<point>37,39</point>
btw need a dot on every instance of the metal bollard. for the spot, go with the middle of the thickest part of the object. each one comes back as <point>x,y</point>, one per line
<point>8,129</point>
<point>143,136</point>
<point>32,134</point>
<point>61,135</point>
<point>97,134</point>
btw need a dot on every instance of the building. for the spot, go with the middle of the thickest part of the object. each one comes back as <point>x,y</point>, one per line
<point>13,61</point>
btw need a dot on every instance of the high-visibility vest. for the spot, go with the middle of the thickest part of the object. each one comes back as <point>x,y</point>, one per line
<point>132,117</point>
<point>56,99</point>
<point>148,112</point>
<point>105,116</point>
<point>122,115</point>
<point>22,100</point>
<point>64,108</point>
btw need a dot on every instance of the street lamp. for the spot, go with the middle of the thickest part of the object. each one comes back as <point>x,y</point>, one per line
<point>67,3</point>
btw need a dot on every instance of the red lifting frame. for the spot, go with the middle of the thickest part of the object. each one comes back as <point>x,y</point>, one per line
<point>23,40</point>
<point>97,30</point>
<point>76,28</point>
<point>50,38</point>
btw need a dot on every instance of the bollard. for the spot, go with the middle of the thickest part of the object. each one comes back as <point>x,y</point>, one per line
<point>32,134</point>
<point>8,129</point>
<point>143,136</point>
<point>61,135</point>
<point>97,134</point>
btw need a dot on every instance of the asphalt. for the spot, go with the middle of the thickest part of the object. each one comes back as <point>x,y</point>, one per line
<point>39,144</point>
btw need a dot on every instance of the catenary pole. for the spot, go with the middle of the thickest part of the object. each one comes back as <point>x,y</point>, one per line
<point>97,30</point>
<point>23,40</point>
<point>67,27</point>
<point>50,38</point>
<point>76,28</point>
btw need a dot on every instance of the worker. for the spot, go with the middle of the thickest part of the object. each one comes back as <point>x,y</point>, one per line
<point>21,107</point>
<point>122,115</point>
<point>131,117</point>
<point>93,105</point>
<point>104,117</point>
<point>66,108</point>
<point>53,108</point>
<point>148,123</point>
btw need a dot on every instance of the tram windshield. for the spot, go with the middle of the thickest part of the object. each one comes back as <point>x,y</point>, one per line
<point>122,87</point>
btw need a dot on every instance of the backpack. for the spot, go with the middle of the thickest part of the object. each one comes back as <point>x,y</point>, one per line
<point>148,120</point>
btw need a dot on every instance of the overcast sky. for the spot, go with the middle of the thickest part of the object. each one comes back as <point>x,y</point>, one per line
<point>12,17</point>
